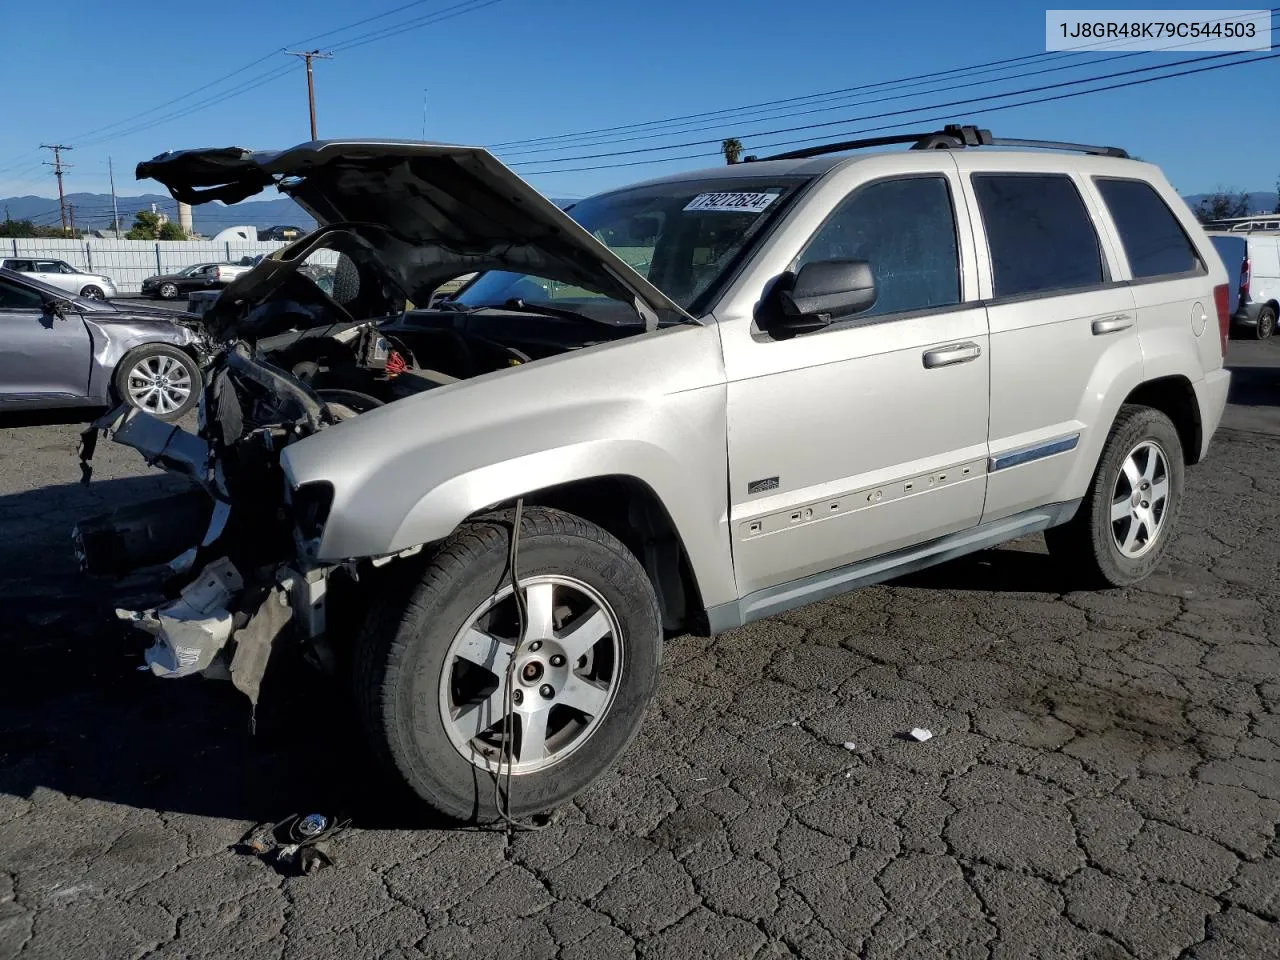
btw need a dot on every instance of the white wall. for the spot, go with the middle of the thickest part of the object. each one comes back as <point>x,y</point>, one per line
<point>129,262</point>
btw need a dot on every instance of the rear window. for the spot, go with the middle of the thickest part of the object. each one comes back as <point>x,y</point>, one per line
<point>1153,240</point>
<point>1039,233</point>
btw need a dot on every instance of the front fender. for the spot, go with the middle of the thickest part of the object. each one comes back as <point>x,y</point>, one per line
<point>113,339</point>
<point>651,408</point>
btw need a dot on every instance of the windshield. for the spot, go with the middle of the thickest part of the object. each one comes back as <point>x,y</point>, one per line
<point>193,270</point>
<point>683,237</point>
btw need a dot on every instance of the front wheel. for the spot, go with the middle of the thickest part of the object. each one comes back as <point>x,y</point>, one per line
<point>1126,521</point>
<point>159,379</point>
<point>456,694</point>
<point>168,291</point>
<point>93,293</point>
<point>1266,323</point>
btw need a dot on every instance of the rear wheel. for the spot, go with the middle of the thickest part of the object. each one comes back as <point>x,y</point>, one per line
<point>454,694</point>
<point>1126,521</point>
<point>93,293</point>
<point>1266,323</point>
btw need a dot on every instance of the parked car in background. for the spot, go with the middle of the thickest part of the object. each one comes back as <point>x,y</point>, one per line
<point>60,274</point>
<point>60,350</point>
<point>198,276</point>
<point>834,370</point>
<point>1253,262</point>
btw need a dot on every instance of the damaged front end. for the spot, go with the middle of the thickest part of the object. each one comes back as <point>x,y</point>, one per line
<point>231,555</point>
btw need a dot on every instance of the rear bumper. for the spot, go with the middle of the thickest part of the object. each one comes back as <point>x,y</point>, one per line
<point>1247,315</point>
<point>1211,397</point>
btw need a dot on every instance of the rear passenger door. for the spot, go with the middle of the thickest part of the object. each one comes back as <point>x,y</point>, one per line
<point>1063,328</point>
<point>1176,316</point>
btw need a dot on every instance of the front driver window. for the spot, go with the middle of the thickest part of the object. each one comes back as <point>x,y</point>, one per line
<point>906,230</point>
<point>14,297</point>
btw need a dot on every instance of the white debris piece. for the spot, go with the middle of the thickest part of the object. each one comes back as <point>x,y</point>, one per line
<point>920,734</point>
<point>850,746</point>
<point>191,630</point>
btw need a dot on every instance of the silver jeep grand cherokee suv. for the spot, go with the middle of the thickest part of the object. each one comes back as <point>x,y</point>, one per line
<point>686,404</point>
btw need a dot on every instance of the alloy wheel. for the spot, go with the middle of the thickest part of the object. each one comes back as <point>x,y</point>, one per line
<point>566,672</point>
<point>1140,499</point>
<point>159,384</point>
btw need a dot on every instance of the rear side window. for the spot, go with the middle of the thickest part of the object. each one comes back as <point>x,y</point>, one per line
<point>906,230</point>
<point>1153,240</point>
<point>1039,233</point>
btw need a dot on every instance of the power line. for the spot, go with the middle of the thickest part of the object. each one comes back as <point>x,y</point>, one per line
<point>824,95</point>
<point>438,16</point>
<point>875,116</point>
<point>830,107</point>
<point>936,119</point>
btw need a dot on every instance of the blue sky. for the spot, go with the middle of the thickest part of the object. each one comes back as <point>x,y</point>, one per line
<point>520,69</point>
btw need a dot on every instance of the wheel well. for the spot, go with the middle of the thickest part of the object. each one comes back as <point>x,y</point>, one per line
<point>630,510</point>
<point>1176,399</point>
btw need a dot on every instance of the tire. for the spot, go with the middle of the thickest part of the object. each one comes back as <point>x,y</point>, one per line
<point>136,381</point>
<point>93,293</point>
<point>168,291</point>
<point>1103,552</point>
<point>1266,323</point>
<point>405,695</point>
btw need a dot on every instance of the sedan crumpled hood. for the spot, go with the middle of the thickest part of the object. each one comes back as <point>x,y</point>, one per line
<point>429,212</point>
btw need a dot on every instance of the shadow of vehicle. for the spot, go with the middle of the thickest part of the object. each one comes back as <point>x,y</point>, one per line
<point>14,417</point>
<point>81,719</point>
<point>1254,386</point>
<point>1002,570</point>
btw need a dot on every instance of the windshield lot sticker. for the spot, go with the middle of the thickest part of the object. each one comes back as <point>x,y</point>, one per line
<point>730,202</point>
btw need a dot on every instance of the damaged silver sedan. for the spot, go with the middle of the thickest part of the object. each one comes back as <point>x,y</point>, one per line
<point>436,467</point>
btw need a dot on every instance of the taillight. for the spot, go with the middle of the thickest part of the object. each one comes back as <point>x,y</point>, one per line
<point>1246,272</point>
<point>1221,298</point>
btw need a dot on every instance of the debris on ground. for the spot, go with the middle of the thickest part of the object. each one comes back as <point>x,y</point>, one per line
<point>850,746</point>
<point>297,845</point>
<point>920,734</point>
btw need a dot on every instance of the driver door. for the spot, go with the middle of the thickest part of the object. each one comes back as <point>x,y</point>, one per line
<point>42,356</point>
<point>869,435</point>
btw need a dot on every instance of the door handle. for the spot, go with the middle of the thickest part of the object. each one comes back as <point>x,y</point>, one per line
<point>1121,321</point>
<point>947,356</point>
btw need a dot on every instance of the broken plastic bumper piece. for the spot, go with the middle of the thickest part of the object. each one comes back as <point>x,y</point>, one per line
<point>161,444</point>
<point>190,630</point>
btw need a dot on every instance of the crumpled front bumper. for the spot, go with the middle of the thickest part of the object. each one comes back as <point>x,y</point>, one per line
<point>225,620</point>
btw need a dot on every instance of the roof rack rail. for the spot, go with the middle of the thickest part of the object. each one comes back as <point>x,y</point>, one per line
<point>1259,223</point>
<point>953,136</point>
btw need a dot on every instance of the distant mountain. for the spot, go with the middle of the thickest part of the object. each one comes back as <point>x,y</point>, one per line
<point>93,211</point>
<point>1260,201</point>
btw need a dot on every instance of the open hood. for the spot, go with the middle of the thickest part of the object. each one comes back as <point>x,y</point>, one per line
<point>428,212</point>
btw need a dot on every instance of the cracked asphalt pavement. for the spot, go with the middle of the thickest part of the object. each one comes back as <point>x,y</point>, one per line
<point>1103,780</point>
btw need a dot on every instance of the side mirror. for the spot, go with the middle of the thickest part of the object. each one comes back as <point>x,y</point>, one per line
<point>56,307</point>
<point>822,293</point>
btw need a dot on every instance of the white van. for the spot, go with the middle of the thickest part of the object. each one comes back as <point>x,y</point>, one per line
<point>1258,304</point>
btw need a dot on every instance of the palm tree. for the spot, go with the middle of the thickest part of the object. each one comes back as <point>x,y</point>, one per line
<point>732,149</point>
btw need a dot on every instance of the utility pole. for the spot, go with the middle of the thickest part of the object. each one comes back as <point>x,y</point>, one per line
<point>115,211</point>
<point>308,56</point>
<point>424,113</point>
<point>58,167</point>
<point>72,208</point>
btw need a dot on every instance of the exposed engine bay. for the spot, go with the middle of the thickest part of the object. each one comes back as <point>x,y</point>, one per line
<point>236,554</point>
